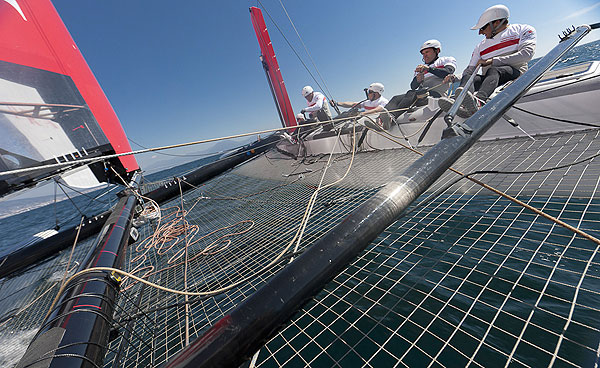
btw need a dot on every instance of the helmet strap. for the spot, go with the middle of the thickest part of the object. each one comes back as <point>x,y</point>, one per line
<point>495,30</point>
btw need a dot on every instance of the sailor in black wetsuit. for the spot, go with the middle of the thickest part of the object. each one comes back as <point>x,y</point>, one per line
<point>429,77</point>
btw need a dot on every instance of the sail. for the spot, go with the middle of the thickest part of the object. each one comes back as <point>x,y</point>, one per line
<point>52,109</point>
<point>269,60</point>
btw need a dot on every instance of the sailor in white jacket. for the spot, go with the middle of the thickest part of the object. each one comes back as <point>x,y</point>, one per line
<point>317,107</point>
<point>503,54</point>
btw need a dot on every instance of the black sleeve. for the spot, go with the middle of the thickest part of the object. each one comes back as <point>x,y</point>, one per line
<point>441,73</point>
<point>414,84</point>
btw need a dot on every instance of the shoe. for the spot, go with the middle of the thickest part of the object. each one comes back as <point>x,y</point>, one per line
<point>386,120</point>
<point>289,138</point>
<point>471,103</point>
<point>446,103</point>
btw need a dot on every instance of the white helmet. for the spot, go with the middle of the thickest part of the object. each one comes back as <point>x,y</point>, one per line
<point>491,14</point>
<point>300,117</point>
<point>376,87</point>
<point>307,90</point>
<point>431,43</point>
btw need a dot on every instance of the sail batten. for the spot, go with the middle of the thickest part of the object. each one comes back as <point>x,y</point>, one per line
<point>51,104</point>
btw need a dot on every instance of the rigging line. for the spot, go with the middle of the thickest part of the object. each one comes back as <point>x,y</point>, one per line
<point>55,214</point>
<point>72,202</point>
<point>145,313</point>
<point>89,204</point>
<point>83,194</point>
<point>210,292</point>
<point>513,199</point>
<point>185,270</point>
<point>161,148</point>
<point>62,281</point>
<point>290,45</point>
<point>175,155</point>
<point>306,49</point>
<point>320,186</point>
<point>555,119</point>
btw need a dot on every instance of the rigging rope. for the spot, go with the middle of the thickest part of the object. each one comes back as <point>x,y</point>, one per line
<point>307,52</point>
<point>295,239</point>
<point>556,119</point>
<point>513,199</point>
<point>292,47</point>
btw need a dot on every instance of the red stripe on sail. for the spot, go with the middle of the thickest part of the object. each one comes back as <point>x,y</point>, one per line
<point>38,38</point>
<point>499,46</point>
<point>270,59</point>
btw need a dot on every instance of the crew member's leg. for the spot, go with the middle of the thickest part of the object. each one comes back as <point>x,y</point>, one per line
<point>496,76</point>
<point>399,103</point>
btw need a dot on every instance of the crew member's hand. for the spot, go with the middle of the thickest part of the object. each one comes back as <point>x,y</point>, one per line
<point>450,78</point>
<point>302,111</point>
<point>421,68</point>
<point>485,62</point>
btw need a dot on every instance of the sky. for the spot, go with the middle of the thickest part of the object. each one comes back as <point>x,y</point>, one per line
<point>189,70</point>
<point>185,71</point>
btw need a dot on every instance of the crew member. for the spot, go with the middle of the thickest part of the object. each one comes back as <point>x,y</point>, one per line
<point>428,79</point>
<point>374,103</point>
<point>503,55</point>
<point>317,107</point>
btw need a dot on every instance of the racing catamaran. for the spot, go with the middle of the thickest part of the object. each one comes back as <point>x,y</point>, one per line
<point>346,247</point>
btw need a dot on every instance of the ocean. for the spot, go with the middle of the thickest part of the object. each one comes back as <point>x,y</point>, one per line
<point>18,228</point>
<point>31,218</point>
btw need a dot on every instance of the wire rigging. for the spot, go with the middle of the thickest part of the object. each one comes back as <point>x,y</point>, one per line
<point>292,47</point>
<point>307,52</point>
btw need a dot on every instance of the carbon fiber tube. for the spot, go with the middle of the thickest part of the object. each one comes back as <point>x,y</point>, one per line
<point>234,338</point>
<point>45,248</point>
<point>171,189</point>
<point>76,333</point>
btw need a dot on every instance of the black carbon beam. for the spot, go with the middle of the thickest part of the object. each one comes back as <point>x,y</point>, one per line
<point>45,248</point>
<point>238,335</point>
<point>76,333</point>
<point>171,189</point>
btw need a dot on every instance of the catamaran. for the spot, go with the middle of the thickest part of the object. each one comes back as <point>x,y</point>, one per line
<point>439,242</point>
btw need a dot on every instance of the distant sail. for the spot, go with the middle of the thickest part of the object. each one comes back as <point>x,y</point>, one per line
<point>271,66</point>
<point>51,106</point>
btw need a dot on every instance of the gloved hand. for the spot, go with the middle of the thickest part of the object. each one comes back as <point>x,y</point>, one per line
<point>302,111</point>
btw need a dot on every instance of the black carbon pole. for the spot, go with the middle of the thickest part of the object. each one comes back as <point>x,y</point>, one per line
<point>76,333</point>
<point>234,338</point>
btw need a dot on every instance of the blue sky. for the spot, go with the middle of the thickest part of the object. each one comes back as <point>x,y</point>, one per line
<point>189,70</point>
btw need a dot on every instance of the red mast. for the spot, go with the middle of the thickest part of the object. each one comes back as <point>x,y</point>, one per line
<point>269,61</point>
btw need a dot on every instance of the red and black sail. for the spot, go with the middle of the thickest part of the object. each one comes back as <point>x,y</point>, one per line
<point>51,106</point>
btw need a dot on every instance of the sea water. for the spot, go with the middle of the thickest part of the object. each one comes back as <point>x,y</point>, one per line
<point>17,229</point>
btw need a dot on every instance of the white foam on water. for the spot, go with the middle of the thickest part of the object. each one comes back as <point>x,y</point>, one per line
<point>13,345</point>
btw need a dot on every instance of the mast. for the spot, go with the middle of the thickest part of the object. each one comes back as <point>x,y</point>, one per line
<point>240,333</point>
<point>272,71</point>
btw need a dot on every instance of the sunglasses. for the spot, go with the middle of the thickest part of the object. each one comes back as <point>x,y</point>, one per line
<point>483,28</point>
<point>369,91</point>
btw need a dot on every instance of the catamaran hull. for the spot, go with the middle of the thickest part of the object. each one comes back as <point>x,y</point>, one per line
<point>565,99</point>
